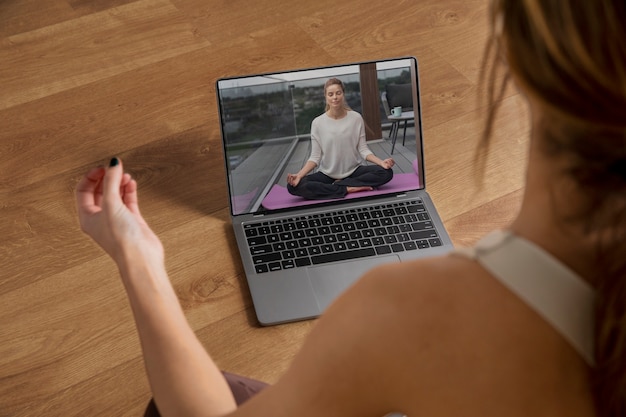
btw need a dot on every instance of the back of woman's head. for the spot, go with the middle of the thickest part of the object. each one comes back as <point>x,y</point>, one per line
<point>569,58</point>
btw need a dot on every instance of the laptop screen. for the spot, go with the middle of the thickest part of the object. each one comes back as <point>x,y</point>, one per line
<point>266,129</point>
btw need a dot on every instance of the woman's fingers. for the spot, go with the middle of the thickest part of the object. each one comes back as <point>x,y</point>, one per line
<point>130,196</point>
<point>112,182</point>
<point>89,189</point>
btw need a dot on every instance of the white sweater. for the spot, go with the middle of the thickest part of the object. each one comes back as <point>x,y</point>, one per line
<point>338,146</point>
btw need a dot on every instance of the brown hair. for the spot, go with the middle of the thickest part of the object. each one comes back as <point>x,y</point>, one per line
<point>569,57</point>
<point>335,81</point>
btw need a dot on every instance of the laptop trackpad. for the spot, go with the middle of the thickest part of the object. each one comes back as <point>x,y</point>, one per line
<point>329,281</point>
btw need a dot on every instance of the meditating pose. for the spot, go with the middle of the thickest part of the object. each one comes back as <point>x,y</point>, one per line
<point>530,322</point>
<point>338,150</point>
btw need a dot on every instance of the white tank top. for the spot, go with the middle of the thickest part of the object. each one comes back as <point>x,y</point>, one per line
<point>559,295</point>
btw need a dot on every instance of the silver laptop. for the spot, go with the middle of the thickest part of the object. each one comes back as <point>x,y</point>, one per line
<point>299,255</point>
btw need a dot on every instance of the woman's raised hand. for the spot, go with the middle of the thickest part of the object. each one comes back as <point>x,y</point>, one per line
<point>108,212</point>
<point>388,163</point>
<point>293,180</point>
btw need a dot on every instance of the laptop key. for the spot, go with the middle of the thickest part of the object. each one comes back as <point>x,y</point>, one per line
<point>330,239</point>
<point>340,247</point>
<point>373,223</point>
<point>342,256</point>
<point>422,225</point>
<point>327,248</point>
<point>258,240</point>
<point>302,262</point>
<point>423,234</point>
<point>274,266</point>
<point>397,247</point>
<point>403,237</point>
<point>277,228</point>
<point>314,250</point>
<point>353,245</point>
<point>356,235</point>
<point>260,250</point>
<point>279,246</point>
<point>364,243</point>
<point>410,245</point>
<point>337,228</point>
<point>422,244</point>
<point>391,239</point>
<point>381,250</point>
<point>415,208</point>
<point>289,264</point>
<point>340,219</point>
<point>261,269</point>
<point>269,257</point>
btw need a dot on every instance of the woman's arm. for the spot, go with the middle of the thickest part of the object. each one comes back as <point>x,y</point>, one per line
<point>294,179</point>
<point>184,379</point>
<point>365,151</point>
<point>361,359</point>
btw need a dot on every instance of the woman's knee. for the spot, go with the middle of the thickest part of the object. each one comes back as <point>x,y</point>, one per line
<point>386,174</point>
<point>292,190</point>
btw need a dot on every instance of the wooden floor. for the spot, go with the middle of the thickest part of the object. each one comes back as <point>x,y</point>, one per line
<point>84,80</point>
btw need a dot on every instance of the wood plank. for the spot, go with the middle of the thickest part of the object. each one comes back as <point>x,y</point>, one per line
<point>119,40</point>
<point>451,173</point>
<point>27,15</point>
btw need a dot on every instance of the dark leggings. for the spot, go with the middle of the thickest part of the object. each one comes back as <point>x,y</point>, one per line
<point>242,388</point>
<point>320,186</point>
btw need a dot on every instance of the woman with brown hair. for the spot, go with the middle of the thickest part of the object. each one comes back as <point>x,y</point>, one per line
<point>530,322</point>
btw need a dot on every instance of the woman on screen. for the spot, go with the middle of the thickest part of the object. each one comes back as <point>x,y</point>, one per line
<point>338,150</point>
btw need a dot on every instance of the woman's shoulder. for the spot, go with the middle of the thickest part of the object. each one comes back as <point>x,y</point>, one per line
<point>320,120</point>
<point>458,301</point>
<point>426,294</point>
<point>353,114</point>
<point>449,321</point>
<point>444,278</point>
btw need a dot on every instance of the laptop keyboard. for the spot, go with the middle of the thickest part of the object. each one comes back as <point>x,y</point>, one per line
<point>340,235</point>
